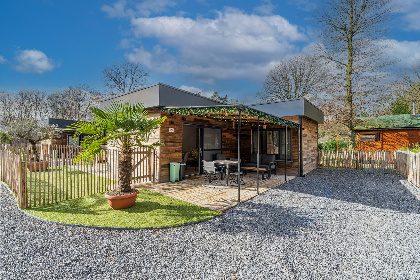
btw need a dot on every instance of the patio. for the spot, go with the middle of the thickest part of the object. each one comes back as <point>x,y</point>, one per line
<point>216,197</point>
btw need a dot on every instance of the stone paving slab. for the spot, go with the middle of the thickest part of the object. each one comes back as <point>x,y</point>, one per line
<point>214,197</point>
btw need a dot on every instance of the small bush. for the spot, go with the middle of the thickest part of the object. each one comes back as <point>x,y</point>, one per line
<point>414,147</point>
<point>332,145</point>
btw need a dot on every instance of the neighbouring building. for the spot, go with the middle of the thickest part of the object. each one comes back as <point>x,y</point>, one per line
<point>197,128</point>
<point>389,132</point>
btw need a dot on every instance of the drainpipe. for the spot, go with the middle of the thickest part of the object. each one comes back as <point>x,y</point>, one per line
<point>258,156</point>
<point>239,156</point>
<point>285,155</point>
<point>300,147</point>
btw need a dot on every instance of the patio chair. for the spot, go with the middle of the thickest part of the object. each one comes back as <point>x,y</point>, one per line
<point>233,178</point>
<point>187,154</point>
<point>210,172</point>
<point>219,167</point>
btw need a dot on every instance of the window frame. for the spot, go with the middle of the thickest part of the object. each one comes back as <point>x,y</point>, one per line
<point>279,155</point>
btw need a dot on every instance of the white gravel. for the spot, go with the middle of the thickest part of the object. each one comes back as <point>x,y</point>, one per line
<point>329,225</point>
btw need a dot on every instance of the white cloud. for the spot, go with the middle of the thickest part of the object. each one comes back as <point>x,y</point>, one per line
<point>304,5</point>
<point>197,90</point>
<point>232,45</point>
<point>117,10</point>
<point>33,61</point>
<point>411,12</point>
<point>406,53</point>
<point>122,8</point>
<point>266,8</point>
<point>148,7</point>
<point>2,59</point>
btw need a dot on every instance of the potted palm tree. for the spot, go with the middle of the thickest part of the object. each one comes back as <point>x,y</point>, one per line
<point>124,126</point>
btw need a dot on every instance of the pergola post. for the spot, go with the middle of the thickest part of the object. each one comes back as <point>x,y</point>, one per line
<point>239,155</point>
<point>258,155</point>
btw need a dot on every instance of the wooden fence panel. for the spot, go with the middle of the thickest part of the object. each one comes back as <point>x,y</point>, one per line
<point>64,178</point>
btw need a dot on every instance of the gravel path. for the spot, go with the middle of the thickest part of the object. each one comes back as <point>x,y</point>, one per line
<point>329,225</point>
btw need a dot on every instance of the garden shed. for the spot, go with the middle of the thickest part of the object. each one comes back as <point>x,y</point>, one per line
<point>198,128</point>
<point>389,132</point>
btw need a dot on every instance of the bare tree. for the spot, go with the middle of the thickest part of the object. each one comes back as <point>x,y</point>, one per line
<point>125,76</point>
<point>7,107</point>
<point>73,103</point>
<point>350,30</point>
<point>294,78</point>
<point>403,92</point>
<point>25,105</point>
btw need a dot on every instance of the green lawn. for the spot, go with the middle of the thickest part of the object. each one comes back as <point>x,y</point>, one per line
<point>57,184</point>
<point>151,210</point>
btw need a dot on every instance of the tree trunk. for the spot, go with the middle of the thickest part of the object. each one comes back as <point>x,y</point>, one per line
<point>125,168</point>
<point>35,154</point>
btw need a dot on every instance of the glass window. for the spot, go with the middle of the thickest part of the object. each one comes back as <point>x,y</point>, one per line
<point>272,142</point>
<point>212,138</point>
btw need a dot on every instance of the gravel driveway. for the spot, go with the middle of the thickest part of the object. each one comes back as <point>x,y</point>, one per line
<point>329,225</point>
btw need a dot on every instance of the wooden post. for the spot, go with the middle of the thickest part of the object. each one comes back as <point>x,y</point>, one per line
<point>23,190</point>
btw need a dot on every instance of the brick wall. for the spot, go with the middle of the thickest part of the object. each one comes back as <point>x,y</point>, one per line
<point>309,142</point>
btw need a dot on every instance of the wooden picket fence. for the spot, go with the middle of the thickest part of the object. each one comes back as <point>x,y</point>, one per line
<point>404,163</point>
<point>64,178</point>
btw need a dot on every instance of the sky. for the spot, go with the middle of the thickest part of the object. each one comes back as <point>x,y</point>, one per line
<point>196,45</point>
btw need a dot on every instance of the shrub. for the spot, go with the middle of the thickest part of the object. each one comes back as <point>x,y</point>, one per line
<point>331,144</point>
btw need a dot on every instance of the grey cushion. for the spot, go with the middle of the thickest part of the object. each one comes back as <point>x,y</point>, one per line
<point>266,159</point>
<point>254,158</point>
<point>220,157</point>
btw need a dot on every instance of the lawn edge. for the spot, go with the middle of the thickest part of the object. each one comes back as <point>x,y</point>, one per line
<point>100,227</point>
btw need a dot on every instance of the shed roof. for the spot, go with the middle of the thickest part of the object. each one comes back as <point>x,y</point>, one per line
<point>161,95</point>
<point>291,107</point>
<point>389,122</point>
<point>61,123</point>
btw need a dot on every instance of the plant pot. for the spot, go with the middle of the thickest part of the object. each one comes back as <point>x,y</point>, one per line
<point>122,201</point>
<point>37,166</point>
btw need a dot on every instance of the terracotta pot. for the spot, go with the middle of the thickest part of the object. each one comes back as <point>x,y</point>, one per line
<point>37,166</point>
<point>122,201</point>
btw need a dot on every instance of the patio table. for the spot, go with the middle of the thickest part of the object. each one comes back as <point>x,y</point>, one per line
<point>226,163</point>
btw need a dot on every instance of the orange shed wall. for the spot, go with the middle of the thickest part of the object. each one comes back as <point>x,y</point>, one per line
<point>392,139</point>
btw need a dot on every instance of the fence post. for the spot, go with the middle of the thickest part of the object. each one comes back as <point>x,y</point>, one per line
<point>356,156</point>
<point>23,188</point>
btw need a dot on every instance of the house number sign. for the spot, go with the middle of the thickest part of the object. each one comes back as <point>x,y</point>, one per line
<point>171,129</point>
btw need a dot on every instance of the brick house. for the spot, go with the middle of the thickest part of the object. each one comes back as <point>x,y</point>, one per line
<point>198,128</point>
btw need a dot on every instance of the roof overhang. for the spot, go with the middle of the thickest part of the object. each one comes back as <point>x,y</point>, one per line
<point>230,113</point>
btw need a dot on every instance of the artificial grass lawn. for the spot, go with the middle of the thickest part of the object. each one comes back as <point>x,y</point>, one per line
<point>151,210</point>
<point>67,182</point>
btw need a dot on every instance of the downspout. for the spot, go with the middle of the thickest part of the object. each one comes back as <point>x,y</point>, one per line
<point>285,156</point>
<point>258,155</point>
<point>239,156</point>
<point>300,147</point>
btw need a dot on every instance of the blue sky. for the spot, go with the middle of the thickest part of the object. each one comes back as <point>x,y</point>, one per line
<point>198,45</point>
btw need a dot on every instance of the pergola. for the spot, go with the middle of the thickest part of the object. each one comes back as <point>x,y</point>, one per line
<point>240,114</point>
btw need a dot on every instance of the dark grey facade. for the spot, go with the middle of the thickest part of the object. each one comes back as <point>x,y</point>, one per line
<point>291,107</point>
<point>161,95</point>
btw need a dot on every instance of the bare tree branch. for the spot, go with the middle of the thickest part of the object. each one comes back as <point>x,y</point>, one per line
<point>125,76</point>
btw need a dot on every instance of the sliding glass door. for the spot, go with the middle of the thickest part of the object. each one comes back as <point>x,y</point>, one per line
<point>272,142</point>
<point>200,143</point>
<point>211,143</point>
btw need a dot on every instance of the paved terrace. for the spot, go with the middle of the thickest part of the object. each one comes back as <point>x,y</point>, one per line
<point>215,197</point>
